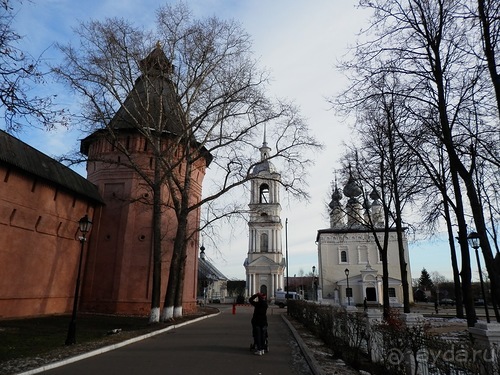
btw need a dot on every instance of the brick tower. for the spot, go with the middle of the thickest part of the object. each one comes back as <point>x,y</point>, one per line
<point>119,268</point>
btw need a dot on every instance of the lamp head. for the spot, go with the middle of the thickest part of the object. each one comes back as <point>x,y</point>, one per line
<point>85,224</point>
<point>346,271</point>
<point>473,239</point>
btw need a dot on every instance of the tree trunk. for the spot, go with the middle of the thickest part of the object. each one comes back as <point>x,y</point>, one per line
<point>489,51</point>
<point>385,284</point>
<point>479,221</point>
<point>179,292</point>
<point>168,305</point>
<point>466,275</point>
<point>459,305</point>
<point>173,298</point>
<point>455,166</point>
<point>403,265</point>
<point>154,316</point>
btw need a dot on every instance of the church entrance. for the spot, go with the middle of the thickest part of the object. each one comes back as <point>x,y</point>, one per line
<point>263,289</point>
<point>371,295</point>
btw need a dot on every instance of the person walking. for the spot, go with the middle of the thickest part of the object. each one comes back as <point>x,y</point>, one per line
<point>259,321</point>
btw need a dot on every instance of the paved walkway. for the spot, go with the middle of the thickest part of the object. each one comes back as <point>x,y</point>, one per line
<point>215,345</point>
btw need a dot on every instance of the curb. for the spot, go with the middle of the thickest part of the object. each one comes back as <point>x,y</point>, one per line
<point>313,364</point>
<point>113,347</point>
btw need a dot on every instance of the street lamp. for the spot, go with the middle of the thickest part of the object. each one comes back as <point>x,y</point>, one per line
<point>287,294</point>
<point>474,242</point>
<point>84,225</point>
<point>348,294</point>
<point>312,286</point>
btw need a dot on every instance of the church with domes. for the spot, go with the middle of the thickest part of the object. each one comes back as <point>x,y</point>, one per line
<point>349,261</point>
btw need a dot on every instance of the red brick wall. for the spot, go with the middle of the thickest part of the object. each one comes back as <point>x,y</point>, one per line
<point>39,246</point>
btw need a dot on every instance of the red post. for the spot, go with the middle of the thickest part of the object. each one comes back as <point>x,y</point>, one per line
<point>234,308</point>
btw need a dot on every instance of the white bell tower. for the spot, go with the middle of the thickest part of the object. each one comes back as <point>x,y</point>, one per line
<point>265,264</point>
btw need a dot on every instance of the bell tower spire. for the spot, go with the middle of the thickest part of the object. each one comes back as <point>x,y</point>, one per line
<point>264,149</point>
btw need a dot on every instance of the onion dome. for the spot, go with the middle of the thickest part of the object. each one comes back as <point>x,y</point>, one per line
<point>336,197</point>
<point>352,190</point>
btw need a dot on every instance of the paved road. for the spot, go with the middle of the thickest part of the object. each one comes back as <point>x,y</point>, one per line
<point>217,345</point>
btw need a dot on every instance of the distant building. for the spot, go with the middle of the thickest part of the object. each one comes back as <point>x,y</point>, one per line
<point>212,284</point>
<point>265,264</point>
<point>350,266</point>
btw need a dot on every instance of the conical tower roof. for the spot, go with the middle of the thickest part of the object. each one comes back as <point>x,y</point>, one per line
<point>152,103</point>
<point>153,100</point>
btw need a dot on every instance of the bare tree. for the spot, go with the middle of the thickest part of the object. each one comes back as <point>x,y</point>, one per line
<point>390,179</point>
<point>428,45</point>
<point>19,74</point>
<point>218,107</point>
<point>488,14</point>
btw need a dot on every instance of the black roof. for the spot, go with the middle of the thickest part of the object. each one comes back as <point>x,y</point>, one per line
<point>207,270</point>
<point>18,154</point>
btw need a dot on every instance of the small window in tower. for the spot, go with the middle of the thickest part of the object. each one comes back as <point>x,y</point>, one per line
<point>264,193</point>
<point>343,256</point>
<point>264,243</point>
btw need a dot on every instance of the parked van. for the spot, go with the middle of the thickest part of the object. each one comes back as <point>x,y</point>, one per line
<point>282,297</point>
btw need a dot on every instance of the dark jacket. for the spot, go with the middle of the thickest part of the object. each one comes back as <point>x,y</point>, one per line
<point>260,309</point>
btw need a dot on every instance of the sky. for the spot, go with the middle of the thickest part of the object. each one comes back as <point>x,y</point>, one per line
<point>300,42</point>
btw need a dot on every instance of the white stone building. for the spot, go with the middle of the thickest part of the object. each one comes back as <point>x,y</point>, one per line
<point>265,263</point>
<point>350,266</point>
<point>212,284</point>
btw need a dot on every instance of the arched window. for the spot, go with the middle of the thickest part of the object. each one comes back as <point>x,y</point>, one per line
<point>264,243</point>
<point>343,256</point>
<point>264,193</point>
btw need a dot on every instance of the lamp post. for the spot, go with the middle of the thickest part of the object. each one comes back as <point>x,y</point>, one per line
<point>84,224</point>
<point>474,242</point>
<point>312,285</point>
<point>346,271</point>
<point>286,264</point>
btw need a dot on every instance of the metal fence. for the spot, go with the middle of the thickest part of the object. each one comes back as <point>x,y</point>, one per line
<point>393,346</point>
